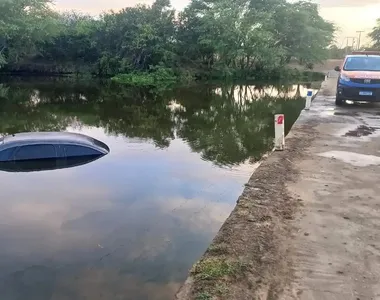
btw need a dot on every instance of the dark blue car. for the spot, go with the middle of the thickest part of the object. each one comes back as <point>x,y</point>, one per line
<point>49,145</point>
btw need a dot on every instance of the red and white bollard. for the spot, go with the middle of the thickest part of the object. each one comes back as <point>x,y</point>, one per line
<point>279,132</point>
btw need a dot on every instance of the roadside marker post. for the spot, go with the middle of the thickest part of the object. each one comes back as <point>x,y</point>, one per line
<point>308,99</point>
<point>279,132</point>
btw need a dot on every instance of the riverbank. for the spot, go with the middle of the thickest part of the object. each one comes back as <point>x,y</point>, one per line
<point>167,78</point>
<point>305,226</point>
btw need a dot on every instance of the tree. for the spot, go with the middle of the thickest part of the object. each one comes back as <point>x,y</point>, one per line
<point>210,38</point>
<point>138,38</point>
<point>375,35</point>
<point>74,44</point>
<point>228,35</point>
<point>303,33</point>
<point>338,53</point>
<point>253,35</point>
<point>23,23</point>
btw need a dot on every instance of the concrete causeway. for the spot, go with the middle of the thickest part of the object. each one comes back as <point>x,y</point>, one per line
<point>326,245</point>
<point>337,244</point>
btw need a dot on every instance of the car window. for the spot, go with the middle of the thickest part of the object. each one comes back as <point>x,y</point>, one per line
<point>35,152</point>
<point>370,63</point>
<point>6,154</point>
<point>75,151</point>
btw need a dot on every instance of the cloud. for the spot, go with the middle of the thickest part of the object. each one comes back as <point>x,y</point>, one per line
<point>346,3</point>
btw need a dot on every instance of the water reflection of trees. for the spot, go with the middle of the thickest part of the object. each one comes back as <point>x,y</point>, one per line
<point>235,125</point>
<point>134,113</point>
<point>226,125</point>
<point>3,91</point>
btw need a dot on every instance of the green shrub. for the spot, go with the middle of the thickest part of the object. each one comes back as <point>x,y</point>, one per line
<point>158,76</point>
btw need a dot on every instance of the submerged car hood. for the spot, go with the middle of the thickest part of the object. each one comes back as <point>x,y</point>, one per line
<point>362,74</point>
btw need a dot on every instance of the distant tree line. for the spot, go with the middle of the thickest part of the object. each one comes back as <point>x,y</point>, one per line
<point>210,38</point>
<point>338,53</point>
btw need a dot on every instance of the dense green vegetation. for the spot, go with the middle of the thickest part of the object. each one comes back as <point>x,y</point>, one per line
<point>339,53</point>
<point>209,39</point>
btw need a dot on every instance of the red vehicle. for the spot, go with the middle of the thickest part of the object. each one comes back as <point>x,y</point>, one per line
<point>359,78</point>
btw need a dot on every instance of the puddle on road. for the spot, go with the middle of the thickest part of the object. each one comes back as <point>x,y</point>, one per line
<point>352,158</point>
<point>360,131</point>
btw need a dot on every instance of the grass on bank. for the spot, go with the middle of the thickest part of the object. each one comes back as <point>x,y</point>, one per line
<point>215,272</point>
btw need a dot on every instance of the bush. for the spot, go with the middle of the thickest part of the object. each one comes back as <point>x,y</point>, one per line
<point>158,76</point>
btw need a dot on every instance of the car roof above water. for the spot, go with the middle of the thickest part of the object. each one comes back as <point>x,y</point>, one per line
<point>47,137</point>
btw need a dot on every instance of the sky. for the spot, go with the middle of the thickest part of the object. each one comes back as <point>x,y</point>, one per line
<point>349,15</point>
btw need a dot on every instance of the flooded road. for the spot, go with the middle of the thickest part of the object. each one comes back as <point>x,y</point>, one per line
<point>131,224</point>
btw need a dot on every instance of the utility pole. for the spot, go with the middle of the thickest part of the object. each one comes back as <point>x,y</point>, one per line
<point>360,37</point>
<point>348,43</point>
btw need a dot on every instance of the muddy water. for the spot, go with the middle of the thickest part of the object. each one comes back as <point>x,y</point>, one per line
<point>131,224</point>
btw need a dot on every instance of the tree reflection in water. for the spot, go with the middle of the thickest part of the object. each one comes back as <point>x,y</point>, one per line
<point>132,223</point>
<point>226,125</point>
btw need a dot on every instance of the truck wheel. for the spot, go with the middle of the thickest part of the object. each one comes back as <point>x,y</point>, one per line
<point>339,101</point>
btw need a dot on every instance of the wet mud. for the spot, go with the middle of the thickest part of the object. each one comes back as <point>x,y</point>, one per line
<point>360,131</point>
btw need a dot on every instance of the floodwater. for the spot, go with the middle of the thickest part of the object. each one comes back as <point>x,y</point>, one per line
<point>131,224</point>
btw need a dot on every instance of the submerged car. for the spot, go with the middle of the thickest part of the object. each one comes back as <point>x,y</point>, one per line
<point>49,145</point>
<point>359,78</point>
<point>39,165</point>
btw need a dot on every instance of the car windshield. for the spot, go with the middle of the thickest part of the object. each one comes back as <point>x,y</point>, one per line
<point>363,63</point>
